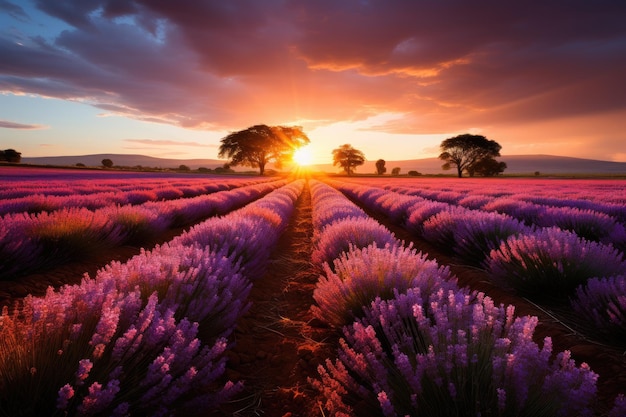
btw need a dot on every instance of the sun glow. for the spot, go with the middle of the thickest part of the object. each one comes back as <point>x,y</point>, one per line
<point>303,156</point>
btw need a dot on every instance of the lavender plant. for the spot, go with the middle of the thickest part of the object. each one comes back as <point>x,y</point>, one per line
<point>91,350</point>
<point>477,233</point>
<point>551,262</point>
<point>361,275</point>
<point>341,235</point>
<point>450,353</point>
<point>419,212</point>
<point>602,303</point>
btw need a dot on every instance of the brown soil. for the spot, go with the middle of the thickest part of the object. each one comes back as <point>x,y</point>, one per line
<point>278,345</point>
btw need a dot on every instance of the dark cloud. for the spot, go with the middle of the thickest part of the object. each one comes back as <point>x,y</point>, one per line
<point>228,64</point>
<point>13,10</point>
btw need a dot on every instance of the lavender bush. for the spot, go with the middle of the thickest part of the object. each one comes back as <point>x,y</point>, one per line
<point>602,303</point>
<point>588,224</point>
<point>551,262</point>
<point>456,354</point>
<point>477,233</point>
<point>419,212</point>
<point>361,275</point>
<point>341,235</point>
<point>90,349</point>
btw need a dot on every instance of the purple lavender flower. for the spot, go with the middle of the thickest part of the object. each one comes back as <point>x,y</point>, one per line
<point>362,275</point>
<point>551,262</point>
<point>451,353</point>
<point>602,303</point>
<point>340,236</point>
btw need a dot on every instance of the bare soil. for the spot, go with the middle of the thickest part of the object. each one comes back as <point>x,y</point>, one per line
<point>278,345</point>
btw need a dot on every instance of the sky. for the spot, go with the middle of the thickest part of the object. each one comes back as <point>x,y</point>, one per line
<point>393,78</point>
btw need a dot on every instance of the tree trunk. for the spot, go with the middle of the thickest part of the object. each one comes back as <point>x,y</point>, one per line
<point>261,169</point>
<point>459,171</point>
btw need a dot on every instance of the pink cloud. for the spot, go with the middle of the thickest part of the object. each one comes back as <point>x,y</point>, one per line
<point>14,125</point>
<point>160,142</point>
<point>445,66</point>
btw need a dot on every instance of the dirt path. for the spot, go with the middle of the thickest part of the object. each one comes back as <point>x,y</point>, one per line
<point>277,345</point>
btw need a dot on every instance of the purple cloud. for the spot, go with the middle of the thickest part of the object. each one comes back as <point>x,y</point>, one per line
<point>14,125</point>
<point>226,65</point>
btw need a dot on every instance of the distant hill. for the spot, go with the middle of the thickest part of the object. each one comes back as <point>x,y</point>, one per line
<point>516,164</point>
<point>124,160</point>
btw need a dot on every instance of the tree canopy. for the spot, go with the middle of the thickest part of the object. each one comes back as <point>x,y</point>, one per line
<point>107,163</point>
<point>348,158</point>
<point>259,145</point>
<point>10,155</point>
<point>465,151</point>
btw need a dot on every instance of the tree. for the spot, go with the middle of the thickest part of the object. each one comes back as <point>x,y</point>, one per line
<point>259,145</point>
<point>489,167</point>
<point>348,158</point>
<point>464,151</point>
<point>380,167</point>
<point>11,155</point>
<point>107,163</point>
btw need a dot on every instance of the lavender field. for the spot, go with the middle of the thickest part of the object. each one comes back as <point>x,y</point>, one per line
<point>405,296</point>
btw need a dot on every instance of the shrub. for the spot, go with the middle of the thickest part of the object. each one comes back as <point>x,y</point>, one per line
<point>588,224</point>
<point>421,211</point>
<point>477,233</point>
<point>342,235</point>
<point>551,262</point>
<point>92,349</point>
<point>363,274</point>
<point>455,355</point>
<point>602,303</point>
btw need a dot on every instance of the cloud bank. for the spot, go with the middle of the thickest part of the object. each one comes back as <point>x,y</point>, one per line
<point>441,66</point>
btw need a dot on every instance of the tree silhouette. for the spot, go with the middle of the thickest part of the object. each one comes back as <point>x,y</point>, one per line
<point>11,155</point>
<point>348,158</point>
<point>395,171</point>
<point>380,167</point>
<point>488,167</point>
<point>464,151</point>
<point>259,145</point>
<point>107,163</point>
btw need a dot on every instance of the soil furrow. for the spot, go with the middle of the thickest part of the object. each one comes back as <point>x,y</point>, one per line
<point>277,345</point>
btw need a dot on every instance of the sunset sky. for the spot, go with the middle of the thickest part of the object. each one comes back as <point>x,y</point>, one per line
<point>391,77</point>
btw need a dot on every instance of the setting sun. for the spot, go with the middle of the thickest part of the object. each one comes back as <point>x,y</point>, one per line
<point>303,156</point>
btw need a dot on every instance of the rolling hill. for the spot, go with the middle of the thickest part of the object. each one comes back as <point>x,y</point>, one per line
<point>516,164</point>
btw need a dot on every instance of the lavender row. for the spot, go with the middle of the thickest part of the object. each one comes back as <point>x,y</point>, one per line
<point>31,242</point>
<point>414,210</point>
<point>146,337</point>
<point>67,182</point>
<point>608,196</point>
<point>544,263</point>
<point>136,193</point>
<point>416,344</point>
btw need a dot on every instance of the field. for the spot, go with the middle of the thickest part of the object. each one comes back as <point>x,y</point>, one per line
<point>165,294</point>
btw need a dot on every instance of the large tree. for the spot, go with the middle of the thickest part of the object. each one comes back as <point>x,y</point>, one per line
<point>488,167</point>
<point>465,151</point>
<point>259,145</point>
<point>348,158</point>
